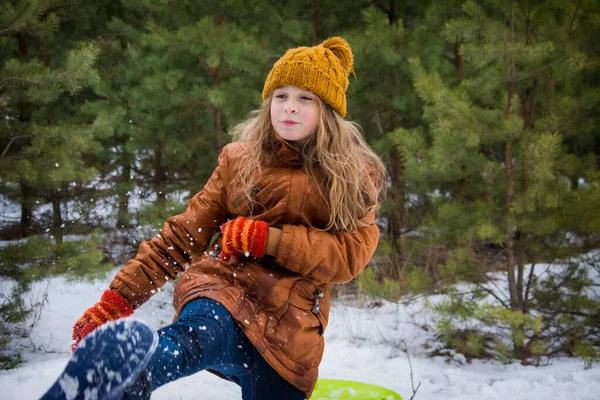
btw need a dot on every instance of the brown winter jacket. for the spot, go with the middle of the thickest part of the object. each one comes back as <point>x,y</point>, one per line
<point>272,299</point>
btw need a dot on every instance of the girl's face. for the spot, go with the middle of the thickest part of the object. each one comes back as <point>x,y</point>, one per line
<point>294,113</point>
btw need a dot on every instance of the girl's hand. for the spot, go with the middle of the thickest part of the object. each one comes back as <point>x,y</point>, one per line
<point>243,236</point>
<point>110,307</point>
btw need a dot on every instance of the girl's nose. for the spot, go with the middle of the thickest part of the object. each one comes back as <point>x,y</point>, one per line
<point>290,108</point>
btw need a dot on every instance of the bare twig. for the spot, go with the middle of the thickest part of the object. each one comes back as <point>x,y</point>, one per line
<point>37,305</point>
<point>529,283</point>
<point>412,382</point>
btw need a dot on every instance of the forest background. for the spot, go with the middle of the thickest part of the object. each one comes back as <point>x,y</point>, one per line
<point>484,112</point>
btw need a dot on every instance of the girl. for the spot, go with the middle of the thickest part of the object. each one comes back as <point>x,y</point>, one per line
<point>288,212</point>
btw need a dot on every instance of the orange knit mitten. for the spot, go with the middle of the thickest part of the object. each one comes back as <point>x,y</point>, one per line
<point>244,236</point>
<point>110,307</point>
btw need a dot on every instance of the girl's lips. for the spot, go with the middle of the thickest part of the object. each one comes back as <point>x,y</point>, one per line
<point>289,123</point>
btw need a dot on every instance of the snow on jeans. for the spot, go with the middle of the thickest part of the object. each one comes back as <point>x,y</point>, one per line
<point>207,337</point>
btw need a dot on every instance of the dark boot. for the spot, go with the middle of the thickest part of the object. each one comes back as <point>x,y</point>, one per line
<point>140,389</point>
<point>106,362</point>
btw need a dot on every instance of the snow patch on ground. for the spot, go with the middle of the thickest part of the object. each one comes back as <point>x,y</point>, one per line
<point>367,344</point>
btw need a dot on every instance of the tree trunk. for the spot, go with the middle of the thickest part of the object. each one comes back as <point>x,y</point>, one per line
<point>510,251</point>
<point>26,209</point>
<point>124,182</point>
<point>510,182</point>
<point>57,221</point>
<point>315,22</point>
<point>218,129</point>
<point>528,98</point>
<point>515,286</point>
<point>391,10</point>
<point>458,63</point>
<point>393,14</point>
<point>397,217</point>
<point>214,74</point>
<point>159,178</point>
<point>23,45</point>
<point>26,190</point>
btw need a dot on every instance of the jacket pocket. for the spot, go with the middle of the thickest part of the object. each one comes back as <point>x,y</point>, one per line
<point>296,335</point>
<point>306,296</point>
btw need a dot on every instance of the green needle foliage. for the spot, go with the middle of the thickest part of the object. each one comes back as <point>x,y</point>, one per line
<point>37,259</point>
<point>497,165</point>
<point>44,137</point>
<point>484,112</point>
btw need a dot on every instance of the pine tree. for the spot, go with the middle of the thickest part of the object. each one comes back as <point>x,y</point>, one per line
<point>38,142</point>
<point>382,100</point>
<point>493,160</point>
<point>44,138</point>
<point>189,75</point>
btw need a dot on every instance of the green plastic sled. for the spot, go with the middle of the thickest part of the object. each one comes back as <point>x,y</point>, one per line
<point>333,389</point>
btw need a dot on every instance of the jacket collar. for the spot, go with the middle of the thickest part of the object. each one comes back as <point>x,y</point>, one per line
<point>284,153</point>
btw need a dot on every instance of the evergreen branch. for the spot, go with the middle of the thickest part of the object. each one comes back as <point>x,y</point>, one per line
<point>58,7</point>
<point>525,13</point>
<point>564,280</point>
<point>15,78</point>
<point>540,69</point>
<point>11,141</point>
<point>16,18</point>
<point>499,290</point>
<point>197,101</point>
<point>520,77</point>
<point>5,118</point>
<point>493,294</point>
<point>204,64</point>
<point>417,297</point>
<point>559,336</point>
<point>35,21</point>
<point>570,30</point>
<point>567,311</point>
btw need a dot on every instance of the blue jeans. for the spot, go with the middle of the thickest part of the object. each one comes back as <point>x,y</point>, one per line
<point>207,337</point>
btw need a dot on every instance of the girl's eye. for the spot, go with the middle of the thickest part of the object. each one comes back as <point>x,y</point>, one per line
<point>306,98</point>
<point>280,96</point>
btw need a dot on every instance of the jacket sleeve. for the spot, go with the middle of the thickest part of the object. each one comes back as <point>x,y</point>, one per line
<point>325,256</point>
<point>181,238</point>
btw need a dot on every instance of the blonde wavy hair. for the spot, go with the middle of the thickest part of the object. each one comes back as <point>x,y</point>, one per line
<point>336,157</point>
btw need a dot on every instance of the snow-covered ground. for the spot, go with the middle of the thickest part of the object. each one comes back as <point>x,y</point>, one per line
<point>362,343</point>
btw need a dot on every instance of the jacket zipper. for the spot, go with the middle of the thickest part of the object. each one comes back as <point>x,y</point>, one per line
<point>319,294</point>
<point>216,247</point>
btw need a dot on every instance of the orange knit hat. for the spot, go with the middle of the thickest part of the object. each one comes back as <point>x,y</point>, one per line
<point>322,69</point>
